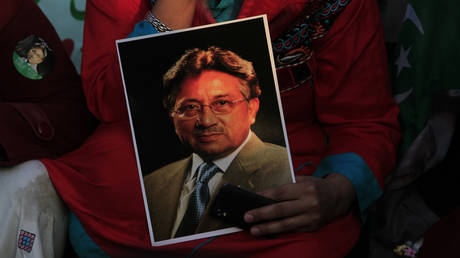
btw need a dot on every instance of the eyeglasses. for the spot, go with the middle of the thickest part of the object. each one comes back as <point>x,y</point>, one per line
<point>219,107</point>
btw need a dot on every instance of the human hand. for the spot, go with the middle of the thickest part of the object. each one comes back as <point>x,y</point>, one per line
<point>306,205</point>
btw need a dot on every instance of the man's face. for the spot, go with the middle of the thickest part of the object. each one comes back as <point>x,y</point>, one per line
<point>213,135</point>
<point>35,55</point>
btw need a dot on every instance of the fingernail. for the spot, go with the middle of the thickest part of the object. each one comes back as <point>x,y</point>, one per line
<point>248,218</point>
<point>255,231</point>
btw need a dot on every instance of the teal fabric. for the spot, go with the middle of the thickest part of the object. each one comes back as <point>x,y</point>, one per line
<point>142,28</point>
<point>225,10</point>
<point>354,168</point>
<point>81,242</point>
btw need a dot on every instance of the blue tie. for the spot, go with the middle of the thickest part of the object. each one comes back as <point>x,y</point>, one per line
<point>198,200</point>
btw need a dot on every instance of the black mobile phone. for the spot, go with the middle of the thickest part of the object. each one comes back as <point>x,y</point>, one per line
<point>232,202</point>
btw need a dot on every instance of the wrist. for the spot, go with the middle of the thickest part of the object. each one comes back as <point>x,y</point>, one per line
<point>344,192</point>
<point>157,24</point>
<point>166,11</point>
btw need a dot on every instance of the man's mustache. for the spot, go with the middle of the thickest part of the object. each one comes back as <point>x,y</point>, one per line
<point>212,129</point>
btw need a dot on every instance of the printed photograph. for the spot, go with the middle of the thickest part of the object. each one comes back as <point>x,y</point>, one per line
<point>205,113</point>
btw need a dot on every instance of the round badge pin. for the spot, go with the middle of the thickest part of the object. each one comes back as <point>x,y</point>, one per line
<point>33,57</point>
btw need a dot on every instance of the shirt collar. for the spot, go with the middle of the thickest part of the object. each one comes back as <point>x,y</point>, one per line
<point>222,163</point>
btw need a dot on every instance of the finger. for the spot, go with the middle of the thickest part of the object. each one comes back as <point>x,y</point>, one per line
<point>281,226</point>
<point>305,184</point>
<point>283,193</point>
<point>276,211</point>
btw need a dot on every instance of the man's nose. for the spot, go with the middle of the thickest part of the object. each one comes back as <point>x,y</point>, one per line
<point>206,116</point>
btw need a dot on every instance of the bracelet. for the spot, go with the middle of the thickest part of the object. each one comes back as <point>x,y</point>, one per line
<point>157,24</point>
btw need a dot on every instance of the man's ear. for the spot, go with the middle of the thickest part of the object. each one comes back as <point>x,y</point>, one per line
<point>171,114</point>
<point>253,109</point>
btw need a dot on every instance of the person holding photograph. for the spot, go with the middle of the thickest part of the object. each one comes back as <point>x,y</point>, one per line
<point>212,97</point>
<point>340,118</point>
<point>342,178</point>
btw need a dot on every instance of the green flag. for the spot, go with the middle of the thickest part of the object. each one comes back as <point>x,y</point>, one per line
<point>425,61</point>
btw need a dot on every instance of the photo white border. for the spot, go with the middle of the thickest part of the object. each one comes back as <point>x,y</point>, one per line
<point>278,96</point>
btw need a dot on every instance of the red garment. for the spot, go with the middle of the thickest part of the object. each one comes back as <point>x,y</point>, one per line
<point>350,102</point>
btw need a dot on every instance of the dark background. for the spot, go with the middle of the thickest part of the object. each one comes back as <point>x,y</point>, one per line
<point>145,61</point>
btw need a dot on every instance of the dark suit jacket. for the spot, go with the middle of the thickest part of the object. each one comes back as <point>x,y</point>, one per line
<point>257,167</point>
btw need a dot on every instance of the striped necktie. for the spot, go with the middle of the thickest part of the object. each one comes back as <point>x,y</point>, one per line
<point>198,200</point>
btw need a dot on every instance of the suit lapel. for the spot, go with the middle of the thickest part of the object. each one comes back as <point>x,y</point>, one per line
<point>238,173</point>
<point>167,197</point>
<point>246,163</point>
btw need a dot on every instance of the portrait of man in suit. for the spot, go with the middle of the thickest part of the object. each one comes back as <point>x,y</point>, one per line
<point>213,99</point>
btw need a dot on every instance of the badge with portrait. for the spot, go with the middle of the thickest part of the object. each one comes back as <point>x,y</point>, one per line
<point>207,125</point>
